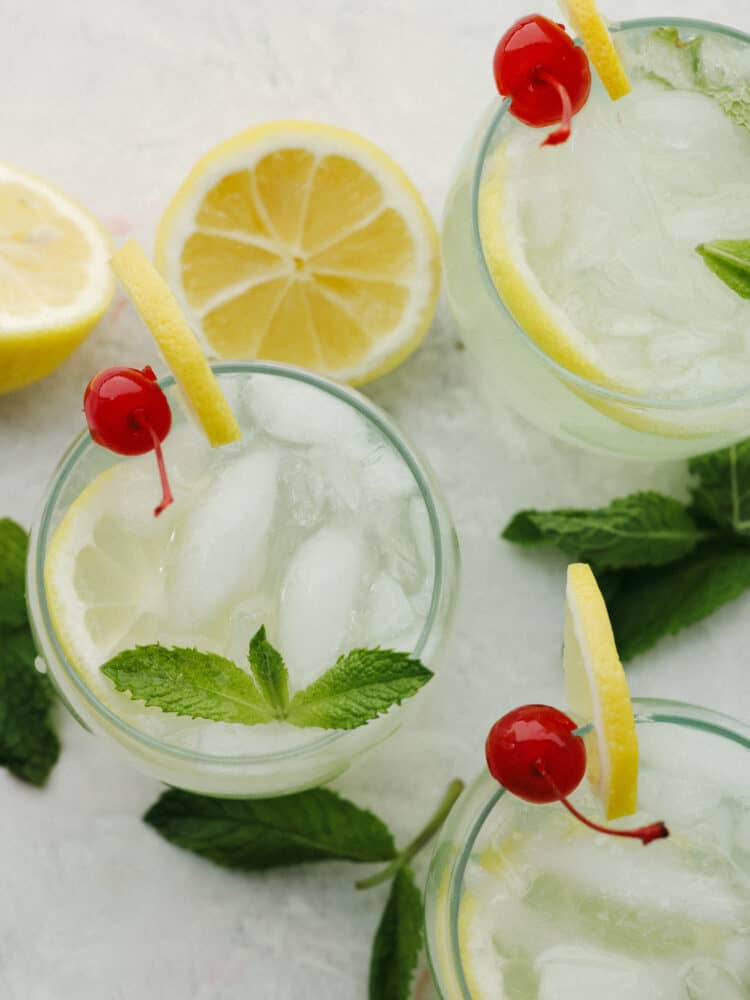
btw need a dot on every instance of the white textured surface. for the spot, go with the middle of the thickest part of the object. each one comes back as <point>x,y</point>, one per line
<point>113,102</point>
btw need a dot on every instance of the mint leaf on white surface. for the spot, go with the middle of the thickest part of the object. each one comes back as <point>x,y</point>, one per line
<point>188,682</point>
<point>362,685</point>
<point>730,261</point>
<point>256,834</point>
<point>641,529</point>
<point>14,543</point>
<point>270,673</point>
<point>721,491</point>
<point>398,941</point>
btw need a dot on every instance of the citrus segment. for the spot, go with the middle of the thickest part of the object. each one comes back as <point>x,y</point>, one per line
<point>592,29</point>
<point>302,243</point>
<point>181,350</point>
<point>597,693</point>
<point>54,280</point>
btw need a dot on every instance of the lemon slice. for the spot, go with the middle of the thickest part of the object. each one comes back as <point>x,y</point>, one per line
<point>55,282</point>
<point>597,692</point>
<point>177,342</point>
<point>592,29</point>
<point>302,243</point>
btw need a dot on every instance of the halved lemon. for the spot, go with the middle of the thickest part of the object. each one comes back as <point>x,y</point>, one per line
<point>55,282</point>
<point>302,243</point>
<point>597,693</point>
<point>591,28</point>
<point>177,342</point>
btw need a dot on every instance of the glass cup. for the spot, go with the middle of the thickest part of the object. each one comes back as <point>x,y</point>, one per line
<point>314,761</point>
<point>673,737</point>
<point>516,370</point>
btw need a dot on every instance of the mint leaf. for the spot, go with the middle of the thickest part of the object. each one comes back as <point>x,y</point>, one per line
<point>398,941</point>
<point>637,530</point>
<point>14,543</point>
<point>188,682</point>
<point>270,673</point>
<point>255,834</point>
<point>722,490</point>
<point>29,746</point>
<point>362,685</point>
<point>651,603</point>
<point>730,260</point>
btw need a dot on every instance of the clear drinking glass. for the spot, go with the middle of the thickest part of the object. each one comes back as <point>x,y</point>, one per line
<point>516,370</point>
<point>694,772</point>
<point>314,758</point>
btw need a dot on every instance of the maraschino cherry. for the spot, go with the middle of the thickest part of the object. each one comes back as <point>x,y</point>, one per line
<point>545,74</point>
<point>534,753</point>
<point>128,413</point>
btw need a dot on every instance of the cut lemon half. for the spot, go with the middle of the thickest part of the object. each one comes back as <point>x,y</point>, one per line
<point>591,28</point>
<point>302,243</point>
<point>177,342</point>
<point>597,693</point>
<point>55,283</point>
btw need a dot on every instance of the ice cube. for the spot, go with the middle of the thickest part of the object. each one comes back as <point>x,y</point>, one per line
<point>705,979</point>
<point>317,601</point>
<point>571,972</point>
<point>304,489</point>
<point>389,613</point>
<point>386,472</point>
<point>220,550</point>
<point>244,622</point>
<point>303,414</point>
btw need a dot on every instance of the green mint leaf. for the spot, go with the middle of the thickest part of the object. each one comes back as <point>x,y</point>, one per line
<point>651,603</point>
<point>722,490</point>
<point>14,543</point>
<point>188,682</point>
<point>29,746</point>
<point>637,530</point>
<point>730,260</point>
<point>362,685</point>
<point>255,834</point>
<point>398,941</point>
<point>270,673</point>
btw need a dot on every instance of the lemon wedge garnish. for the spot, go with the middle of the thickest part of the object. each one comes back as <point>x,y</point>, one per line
<point>55,283</point>
<point>591,28</point>
<point>597,693</point>
<point>177,342</point>
<point>302,243</point>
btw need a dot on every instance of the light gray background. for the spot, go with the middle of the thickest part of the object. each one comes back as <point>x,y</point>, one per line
<point>113,100</point>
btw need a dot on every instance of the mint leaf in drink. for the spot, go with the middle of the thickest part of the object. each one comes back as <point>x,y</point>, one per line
<point>721,492</point>
<point>730,261</point>
<point>270,673</point>
<point>641,529</point>
<point>29,746</point>
<point>255,834</point>
<point>362,685</point>
<point>648,604</point>
<point>14,543</point>
<point>188,682</point>
<point>398,941</point>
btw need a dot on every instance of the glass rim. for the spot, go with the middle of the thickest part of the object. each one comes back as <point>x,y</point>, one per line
<point>484,787</point>
<point>81,444</point>
<point>580,382</point>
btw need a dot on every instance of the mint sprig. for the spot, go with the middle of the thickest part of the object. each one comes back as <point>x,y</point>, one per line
<point>730,261</point>
<point>661,565</point>
<point>14,543</point>
<point>361,685</point>
<point>398,941</point>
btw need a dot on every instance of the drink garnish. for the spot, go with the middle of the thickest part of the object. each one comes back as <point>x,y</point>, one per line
<point>128,413</point>
<point>534,752</point>
<point>591,28</point>
<point>545,74</point>
<point>730,261</point>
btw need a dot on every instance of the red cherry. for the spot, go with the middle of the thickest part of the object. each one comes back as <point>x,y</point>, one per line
<point>534,753</point>
<point>127,412</point>
<point>545,74</point>
<point>527,735</point>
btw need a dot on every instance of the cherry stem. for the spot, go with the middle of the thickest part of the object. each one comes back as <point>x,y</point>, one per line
<point>140,419</point>
<point>421,840</point>
<point>654,831</point>
<point>561,134</point>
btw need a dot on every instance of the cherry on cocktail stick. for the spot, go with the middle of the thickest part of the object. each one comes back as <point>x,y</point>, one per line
<point>545,74</point>
<point>127,412</point>
<point>534,753</point>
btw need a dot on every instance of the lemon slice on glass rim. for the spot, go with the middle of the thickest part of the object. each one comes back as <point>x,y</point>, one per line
<point>591,27</point>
